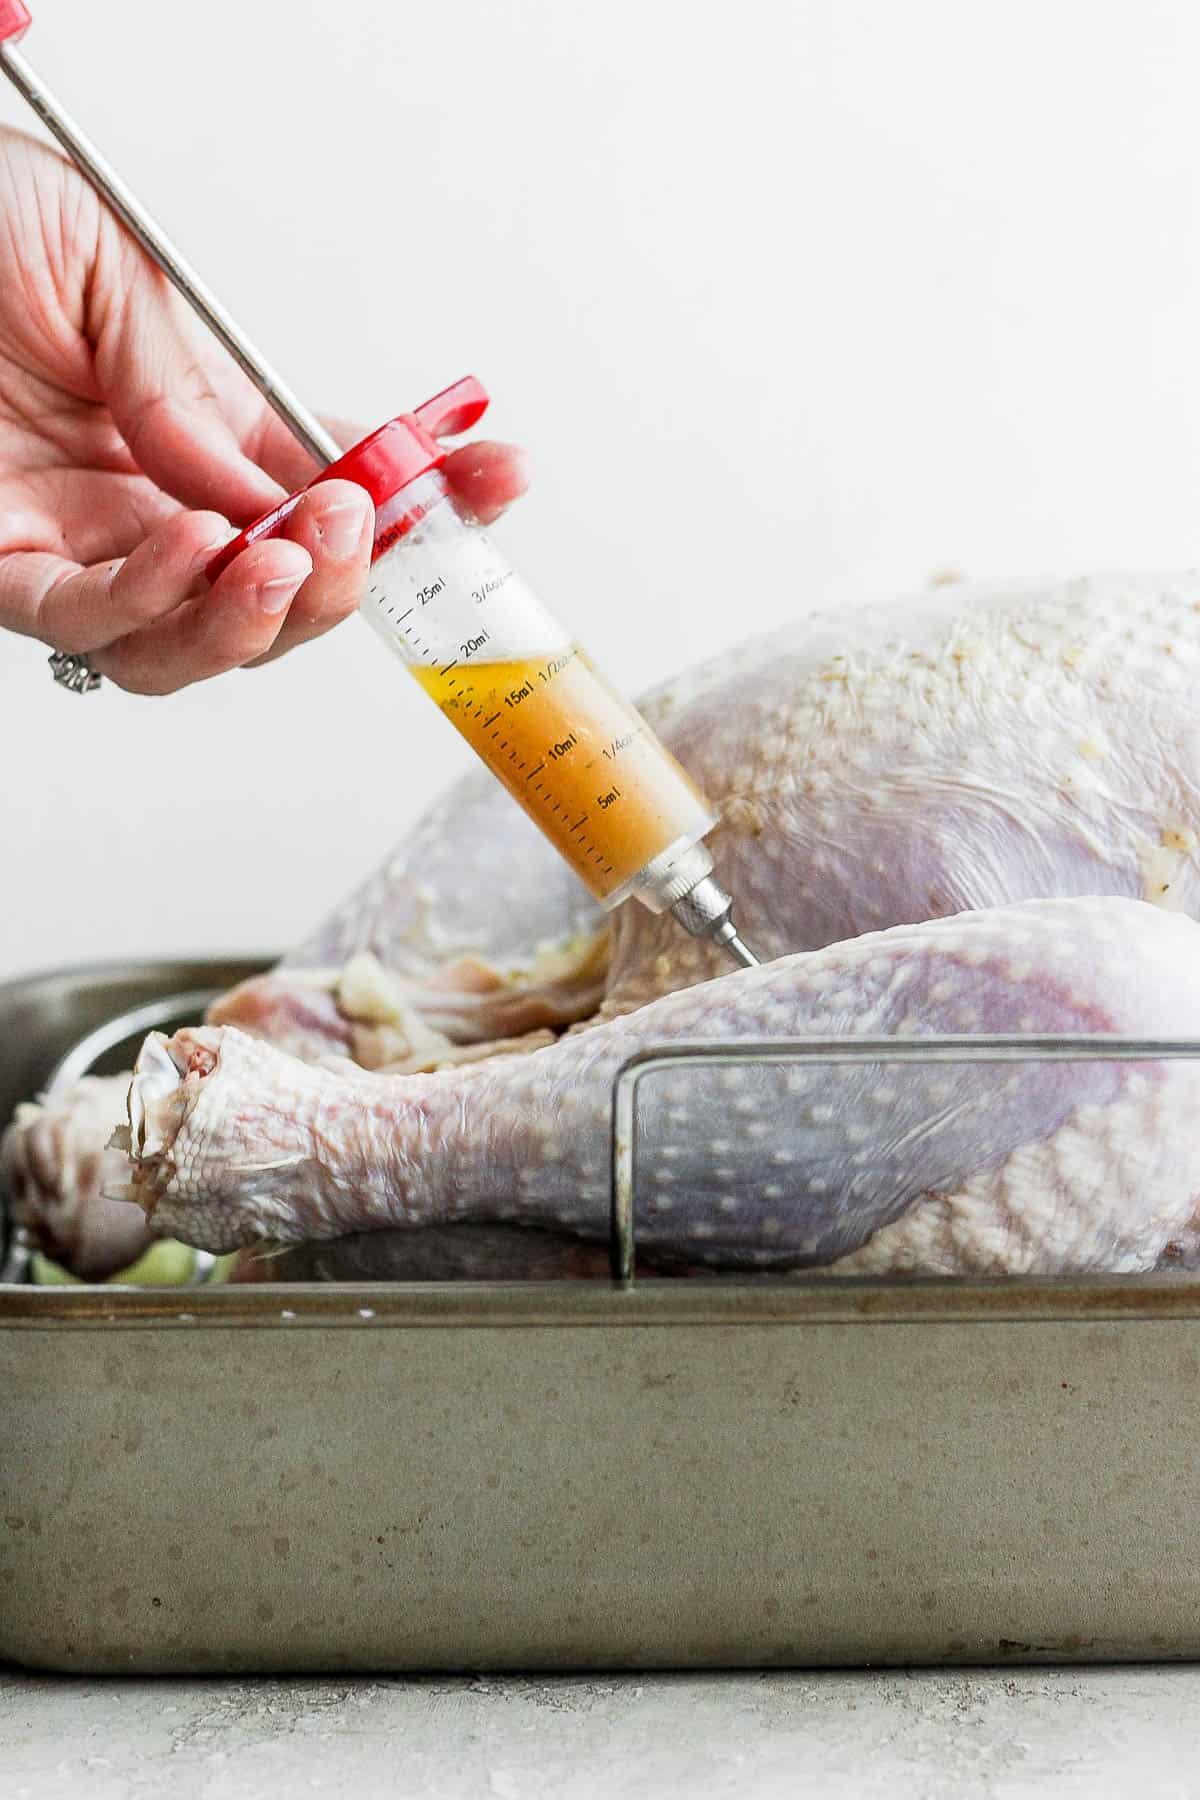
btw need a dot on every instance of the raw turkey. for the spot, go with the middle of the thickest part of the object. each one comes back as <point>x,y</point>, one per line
<point>975,812</point>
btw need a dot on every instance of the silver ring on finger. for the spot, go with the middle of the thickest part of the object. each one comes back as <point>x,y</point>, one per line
<point>75,673</point>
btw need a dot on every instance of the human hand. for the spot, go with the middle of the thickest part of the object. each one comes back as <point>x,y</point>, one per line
<point>130,449</point>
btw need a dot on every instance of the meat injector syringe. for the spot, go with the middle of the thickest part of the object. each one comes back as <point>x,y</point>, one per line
<point>579,759</point>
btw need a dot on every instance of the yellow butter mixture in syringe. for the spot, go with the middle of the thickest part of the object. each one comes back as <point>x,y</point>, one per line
<point>579,759</point>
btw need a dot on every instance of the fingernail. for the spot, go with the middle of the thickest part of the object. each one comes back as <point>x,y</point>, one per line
<point>274,596</point>
<point>343,527</point>
<point>205,554</point>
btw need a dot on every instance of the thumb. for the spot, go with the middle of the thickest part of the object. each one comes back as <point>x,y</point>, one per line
<point>158,390</point>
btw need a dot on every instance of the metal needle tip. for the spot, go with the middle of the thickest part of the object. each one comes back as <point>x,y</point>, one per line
<point>741,953</point>
<point>725,933</point>
<point>706,911</point>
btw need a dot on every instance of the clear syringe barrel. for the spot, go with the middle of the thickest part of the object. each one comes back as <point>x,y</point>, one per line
<point>579,759</point>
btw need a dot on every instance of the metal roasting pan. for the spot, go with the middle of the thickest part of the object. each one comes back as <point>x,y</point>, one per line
<point>582,1475</point>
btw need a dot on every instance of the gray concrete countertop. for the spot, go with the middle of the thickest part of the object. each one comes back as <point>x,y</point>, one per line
<point>1000,1734</point>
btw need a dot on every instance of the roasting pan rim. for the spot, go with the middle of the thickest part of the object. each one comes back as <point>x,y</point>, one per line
<point>131,969</point>
<point>1156,1298</point>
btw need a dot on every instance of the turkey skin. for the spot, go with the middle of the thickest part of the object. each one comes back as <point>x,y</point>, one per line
<point>975,811</point>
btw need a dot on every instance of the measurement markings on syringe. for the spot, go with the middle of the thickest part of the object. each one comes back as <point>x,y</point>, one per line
<point>526,690</point>
<point>611,751</point>
<point>379,596</point>
<point>466,651</point>
<point>537,723</point>
<point>480,594</point>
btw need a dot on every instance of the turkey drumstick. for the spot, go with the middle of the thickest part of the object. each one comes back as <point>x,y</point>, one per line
<point>1056,1168</point>
<point>967,749</point>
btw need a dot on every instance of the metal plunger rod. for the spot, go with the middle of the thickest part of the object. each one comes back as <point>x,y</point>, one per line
<point>158,246</point>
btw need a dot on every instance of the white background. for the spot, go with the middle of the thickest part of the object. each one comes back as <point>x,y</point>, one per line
<point>796,298</point>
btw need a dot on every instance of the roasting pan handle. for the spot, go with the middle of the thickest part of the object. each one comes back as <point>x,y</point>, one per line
<point>731,1052</point>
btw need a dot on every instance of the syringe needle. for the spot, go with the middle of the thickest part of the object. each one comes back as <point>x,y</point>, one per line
<point>725,933</point>
<point>741,953</point>
<point>706,911</point>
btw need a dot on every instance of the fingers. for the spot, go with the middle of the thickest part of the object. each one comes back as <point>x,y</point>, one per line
<point>283,457</point>
<point>85,513</point>
<point>225,626</point>
<point>276,595</point>
<point>152,624</point>
<point>334,523</point>
<point>84,609</point>
<point>487,478</point>
<point>157,389</point>
<point>193,455</point>
<point>199,445</point>
<point>331,531</point>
